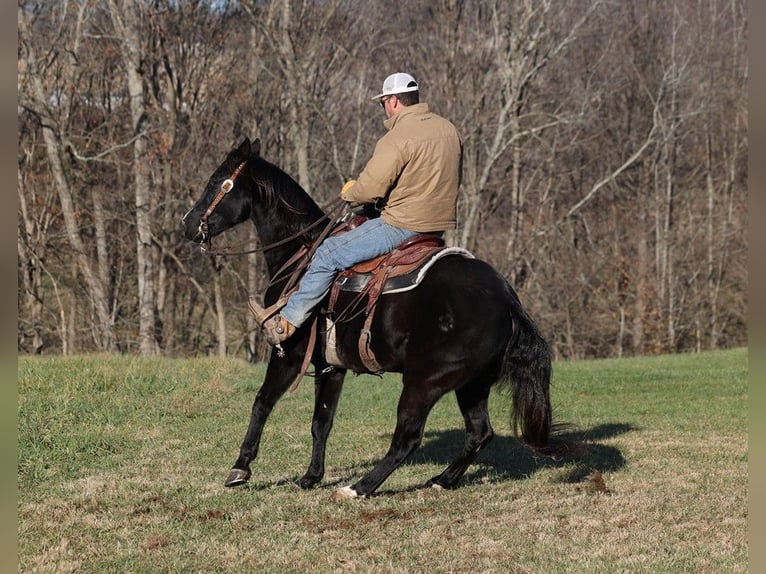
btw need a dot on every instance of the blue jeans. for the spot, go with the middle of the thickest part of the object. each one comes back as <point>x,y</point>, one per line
<point>372,238</point>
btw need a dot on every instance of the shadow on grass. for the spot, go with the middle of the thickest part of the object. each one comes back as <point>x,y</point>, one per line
<point>504,459</point>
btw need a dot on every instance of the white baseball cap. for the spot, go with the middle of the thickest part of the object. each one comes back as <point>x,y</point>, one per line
<point>397,84</point>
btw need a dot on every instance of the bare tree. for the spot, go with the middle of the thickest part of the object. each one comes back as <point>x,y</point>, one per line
<point>31,242</point>
<point>296,33</point>
<point>604,168</point>
<point>514,44</point>
<point>724,147</point>
<point>126,18</point>
<point>49,84</point>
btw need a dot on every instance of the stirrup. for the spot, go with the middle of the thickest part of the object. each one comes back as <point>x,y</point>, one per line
<point>276,328</point>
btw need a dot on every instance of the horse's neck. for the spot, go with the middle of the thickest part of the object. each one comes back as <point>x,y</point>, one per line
<point>279,223</point>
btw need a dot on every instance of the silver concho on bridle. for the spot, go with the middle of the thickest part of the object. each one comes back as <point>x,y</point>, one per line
<point>226,186</point>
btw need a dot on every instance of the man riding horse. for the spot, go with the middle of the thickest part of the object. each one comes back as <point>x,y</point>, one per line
<point>431,333</point>
<point>412,178</point>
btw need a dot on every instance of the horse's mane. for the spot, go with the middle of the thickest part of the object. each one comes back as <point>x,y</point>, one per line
<point>282,193</point>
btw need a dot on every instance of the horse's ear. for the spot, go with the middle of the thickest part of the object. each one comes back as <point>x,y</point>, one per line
<point>256,147</point>
<point>244,148</point>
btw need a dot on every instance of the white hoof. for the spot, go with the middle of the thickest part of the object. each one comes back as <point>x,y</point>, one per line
<point>344,493</point>
<point>435,486</point>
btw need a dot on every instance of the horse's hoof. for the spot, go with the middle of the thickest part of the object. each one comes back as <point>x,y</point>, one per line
<point>436,486</point>
<point>307,483</point>
<point>237,477</point>
<point>343,493</point>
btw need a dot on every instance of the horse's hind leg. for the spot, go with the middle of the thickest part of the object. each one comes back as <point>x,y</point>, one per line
<point>326,393</point>
<point>473,404</point>
<point>414,406</point>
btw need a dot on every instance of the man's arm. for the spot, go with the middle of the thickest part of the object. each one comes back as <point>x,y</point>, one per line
<point>378,176</point>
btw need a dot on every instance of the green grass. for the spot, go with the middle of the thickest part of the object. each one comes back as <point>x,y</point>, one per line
<point>121,462</point>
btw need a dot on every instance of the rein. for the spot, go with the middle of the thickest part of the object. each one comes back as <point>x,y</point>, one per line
<point>302,257</point>
<point>332,208</point>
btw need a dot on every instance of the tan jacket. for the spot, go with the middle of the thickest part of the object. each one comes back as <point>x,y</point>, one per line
<point>416,167</point>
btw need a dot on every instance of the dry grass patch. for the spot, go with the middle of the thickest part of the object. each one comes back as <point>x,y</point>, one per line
<point>121,464</point>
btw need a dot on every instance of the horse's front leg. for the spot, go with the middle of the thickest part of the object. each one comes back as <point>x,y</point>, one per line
<point>326,394</point>
<point>280,374</point>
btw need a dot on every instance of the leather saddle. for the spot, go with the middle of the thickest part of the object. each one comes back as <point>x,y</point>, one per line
<point>400,270</point>
<point>391,272</point>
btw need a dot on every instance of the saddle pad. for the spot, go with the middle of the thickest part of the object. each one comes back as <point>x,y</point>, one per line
<point>357,282</point>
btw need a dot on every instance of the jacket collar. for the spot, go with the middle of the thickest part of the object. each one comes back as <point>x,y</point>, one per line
<point>415,109</point>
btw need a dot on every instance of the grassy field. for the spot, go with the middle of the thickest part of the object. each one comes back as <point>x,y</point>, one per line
<point>122,459</point>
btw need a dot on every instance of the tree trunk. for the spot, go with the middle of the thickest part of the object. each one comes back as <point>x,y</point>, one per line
<point>639,310</point>
<point>31,251</point>
<point>105,339</point>
<point>126,24</point>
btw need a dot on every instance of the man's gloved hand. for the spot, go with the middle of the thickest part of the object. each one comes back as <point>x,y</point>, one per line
<point>346,187</point>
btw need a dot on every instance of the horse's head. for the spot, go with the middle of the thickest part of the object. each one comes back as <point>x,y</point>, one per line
<point>225,201</point>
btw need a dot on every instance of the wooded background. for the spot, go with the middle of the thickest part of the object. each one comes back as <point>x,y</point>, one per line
<point>605,169</point>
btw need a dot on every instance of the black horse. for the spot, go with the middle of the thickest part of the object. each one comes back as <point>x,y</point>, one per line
<point>462,329</point>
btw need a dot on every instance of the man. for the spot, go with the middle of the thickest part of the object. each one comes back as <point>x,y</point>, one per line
<point>413,178</point>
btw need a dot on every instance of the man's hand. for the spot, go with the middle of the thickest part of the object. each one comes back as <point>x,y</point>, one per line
<point>346,187</point>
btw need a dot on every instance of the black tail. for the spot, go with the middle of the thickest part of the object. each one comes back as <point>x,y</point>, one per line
<point>528,365</point>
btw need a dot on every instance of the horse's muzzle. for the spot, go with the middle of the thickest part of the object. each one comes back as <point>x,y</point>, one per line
<point>192,228</point>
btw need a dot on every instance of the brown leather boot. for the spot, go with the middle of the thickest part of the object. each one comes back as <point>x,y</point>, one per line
<point>275,327</point>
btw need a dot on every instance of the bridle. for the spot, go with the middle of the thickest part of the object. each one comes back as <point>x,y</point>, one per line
<point>226,187</point>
